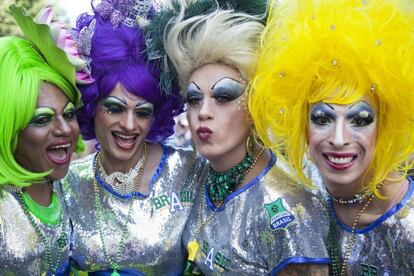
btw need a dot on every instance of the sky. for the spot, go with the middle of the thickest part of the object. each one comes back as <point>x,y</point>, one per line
<point>73,8</point>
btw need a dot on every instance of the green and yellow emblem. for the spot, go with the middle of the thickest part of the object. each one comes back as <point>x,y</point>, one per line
<point>279,217</point>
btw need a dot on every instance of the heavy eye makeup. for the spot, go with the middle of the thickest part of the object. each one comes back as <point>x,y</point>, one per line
<point>113,105</point>
<point>227,90</point>
<point>193,95</point>
<point>322,114</point>
<point>42,116</point>
<point>361,115</point>
<point>69,111</point>
<point>144,109</point>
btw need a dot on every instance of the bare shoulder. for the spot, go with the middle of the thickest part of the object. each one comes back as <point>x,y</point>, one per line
<point>305,269</point>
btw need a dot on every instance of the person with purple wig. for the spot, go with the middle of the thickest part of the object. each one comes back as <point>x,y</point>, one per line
<point>129,201</point>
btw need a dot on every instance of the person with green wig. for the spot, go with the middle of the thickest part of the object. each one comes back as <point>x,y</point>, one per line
<point>39,133</point>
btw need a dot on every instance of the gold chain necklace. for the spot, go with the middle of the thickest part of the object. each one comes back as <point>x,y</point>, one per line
<point>350,245</point>
<point>193,246</point>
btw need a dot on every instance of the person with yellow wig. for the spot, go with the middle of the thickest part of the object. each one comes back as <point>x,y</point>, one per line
<point>335,81</point>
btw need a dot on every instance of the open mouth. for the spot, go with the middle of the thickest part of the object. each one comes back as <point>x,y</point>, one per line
<point>124,141</point>
<point>340,161</point>
<point>59,154</point>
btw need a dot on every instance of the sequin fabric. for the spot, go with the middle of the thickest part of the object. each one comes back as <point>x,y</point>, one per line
<point>385,247</point>
<point>153,243</point>
<point>22,251</point>
<point>263,227</point>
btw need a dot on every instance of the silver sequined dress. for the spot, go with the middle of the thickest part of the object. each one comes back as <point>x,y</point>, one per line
<point>22,251</point>
<point>153,243</point>
<point>261,228</point>
<point>386,246</point>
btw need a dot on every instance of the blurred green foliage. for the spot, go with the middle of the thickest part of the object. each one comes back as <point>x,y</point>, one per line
<point>7,23</point>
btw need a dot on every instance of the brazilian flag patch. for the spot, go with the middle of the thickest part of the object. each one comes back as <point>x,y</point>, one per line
<point>279,217</point>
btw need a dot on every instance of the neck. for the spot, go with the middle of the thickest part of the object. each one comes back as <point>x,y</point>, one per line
<point>393,191</point>
<point>112,164</point>
<point>41,193</point>
<point>343,191</point>
<point>228,160</point>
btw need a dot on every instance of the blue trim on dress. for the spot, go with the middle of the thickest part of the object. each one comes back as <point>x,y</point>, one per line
<point>123,272</point>
<point>136,194</point>
<point>300,260</point>
<point>381,219</point>
<point>254,181</point>
<point>64,271</point>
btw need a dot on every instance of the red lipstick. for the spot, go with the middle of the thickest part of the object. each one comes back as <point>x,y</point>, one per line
<point>340,161</point>
<point>204,133</point>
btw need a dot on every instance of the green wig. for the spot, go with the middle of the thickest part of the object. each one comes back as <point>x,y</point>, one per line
<point>337,52</point>
<point>23,68</point>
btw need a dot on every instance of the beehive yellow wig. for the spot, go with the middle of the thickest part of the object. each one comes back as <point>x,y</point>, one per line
<point>337,51</point>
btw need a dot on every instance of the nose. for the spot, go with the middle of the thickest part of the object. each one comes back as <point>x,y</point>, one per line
<point>340,134</point>
<point>205,111</point>
<point>62,127</point>
<point>127,121</point>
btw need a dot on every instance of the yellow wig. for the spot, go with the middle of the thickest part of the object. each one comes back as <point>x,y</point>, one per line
<point>337,51</point>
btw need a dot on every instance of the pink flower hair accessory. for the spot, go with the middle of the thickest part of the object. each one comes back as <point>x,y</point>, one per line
<point>65,41</point>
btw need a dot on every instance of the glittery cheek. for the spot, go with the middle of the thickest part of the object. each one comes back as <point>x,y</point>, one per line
<point>241,102</point>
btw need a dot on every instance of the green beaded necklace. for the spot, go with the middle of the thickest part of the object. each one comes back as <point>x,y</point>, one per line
<point>62,242</point>
<point>114,262</point>
<point>221,184</point>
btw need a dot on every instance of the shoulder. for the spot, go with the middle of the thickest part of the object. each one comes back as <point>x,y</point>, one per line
<point>278,184</point>
<point>80,168</point>
<point>80,171</point>
<point>176,151</point>
<point>179,157</point>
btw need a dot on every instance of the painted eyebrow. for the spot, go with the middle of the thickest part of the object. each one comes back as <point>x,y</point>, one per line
<point>330,106</point>
<point>143,102</point>
<point>322,107</point>
<point>66,105</point>
<point>198,87</point>
<point>214,85</point>
<point>353,113</point>
<point>120,100</point>
<point>358,104</point>
<point>45,108</point>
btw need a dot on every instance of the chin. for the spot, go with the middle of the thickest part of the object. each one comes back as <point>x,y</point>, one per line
<point>340,179</point>
<point>58,173</point>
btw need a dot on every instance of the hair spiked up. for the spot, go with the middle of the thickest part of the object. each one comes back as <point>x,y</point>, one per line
<point>337,52</point>
<point>187,30</point>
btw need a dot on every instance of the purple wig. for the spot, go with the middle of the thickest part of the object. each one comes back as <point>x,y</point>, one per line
<point>118,56</point>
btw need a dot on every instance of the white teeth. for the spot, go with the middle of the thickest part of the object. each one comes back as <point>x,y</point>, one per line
<point>124,136</point>
<point>340,160</point>
<point>61,146</point>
